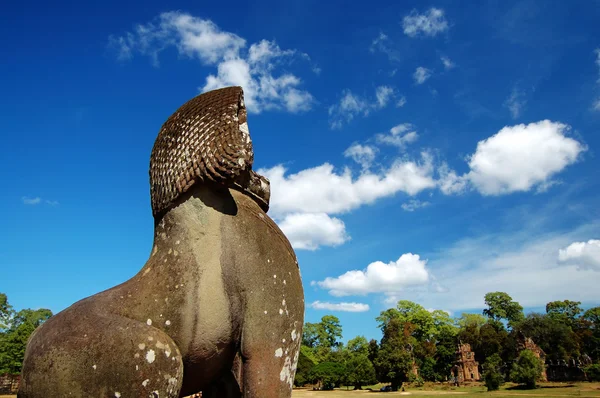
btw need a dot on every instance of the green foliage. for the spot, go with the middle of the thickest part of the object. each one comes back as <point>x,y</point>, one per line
<point>358,345</point>
<point>492,374</point>
<point>502,307</point>
<point>306,362</point>
<point>556,338</point>
<point>327,374</point>
<point>15,330</point>
<point>427,369</point>
<point>6,312</point>
<point>527,369</point>
<point>360,371</point>
<point>394,361</point>
<point>564,311</point>
<point>592,372</point>
<point>475,321</point>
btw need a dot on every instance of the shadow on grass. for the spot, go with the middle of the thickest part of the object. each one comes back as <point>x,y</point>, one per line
<point>521,387</point>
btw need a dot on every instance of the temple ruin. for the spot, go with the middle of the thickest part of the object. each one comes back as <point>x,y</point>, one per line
<point>465,368</point>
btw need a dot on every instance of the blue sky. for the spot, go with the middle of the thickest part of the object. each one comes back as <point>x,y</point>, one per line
<point>423,151</point>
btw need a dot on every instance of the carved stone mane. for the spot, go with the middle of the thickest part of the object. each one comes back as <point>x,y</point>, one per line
<point>206,139</point>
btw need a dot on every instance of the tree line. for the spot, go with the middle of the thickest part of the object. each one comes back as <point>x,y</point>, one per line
<point>418,345</point>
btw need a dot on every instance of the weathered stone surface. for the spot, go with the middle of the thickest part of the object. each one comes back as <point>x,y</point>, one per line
<point>466,368</point>
<point>218,307</point>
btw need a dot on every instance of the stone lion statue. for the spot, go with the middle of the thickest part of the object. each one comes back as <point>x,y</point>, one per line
<point>218,308</point>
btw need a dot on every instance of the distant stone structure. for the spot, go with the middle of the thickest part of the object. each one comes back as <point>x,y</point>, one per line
<point>526,343</point>
<point>571,370</point>
<point>9,384</point>
<point>466,368</point>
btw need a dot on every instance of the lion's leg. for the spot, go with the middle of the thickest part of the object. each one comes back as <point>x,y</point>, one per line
<point>270,348</point>
<point>79,354</point>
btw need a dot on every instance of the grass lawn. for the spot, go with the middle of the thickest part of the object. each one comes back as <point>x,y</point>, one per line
<point>508,390</point>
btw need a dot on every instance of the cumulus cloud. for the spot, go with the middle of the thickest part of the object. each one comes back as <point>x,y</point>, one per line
<point>345,307</point>
<point>518,158</point>
<point>414,204</point>
<point>429,24</point>
<point>596,105</point>
<point>361,154</point>
<point>351,105</point>
<point>585,255</point>
<point>421,75</point>
<point>521,157</point>
<point>308,231</point>
<point>378,277</point>
<point>254,69</point>
<point>400,136</point>
<point>322,190</point>
<point>515,102</point>
<point>448,64</point>
<point>401,102</point>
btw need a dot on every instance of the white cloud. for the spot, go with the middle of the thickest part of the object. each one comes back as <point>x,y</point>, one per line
<point>449,182</point>
<point>361,154</point>
<point>37,200</point>
<point>421,75</point>
<point>515,102</point>
<point>414,204</point>
<point>521,157</point>
<point>321,190</point>
<point>596,105</point>
<point>382,43</point>
<point>429,24</point>
<point>521,262</point>
<point>400,136</point>
<point>585,255</point>
<point>401,102</point>
<point>31,201</point>
<point>308,231</point>
<point>378,277</point>
<point>202,39</point>
<point>448,64</point>
<point>383,94</point>
<point>346,307</point>
<point>351,105</point>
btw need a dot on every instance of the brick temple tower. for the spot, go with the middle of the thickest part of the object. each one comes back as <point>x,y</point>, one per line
<point>466,368</point>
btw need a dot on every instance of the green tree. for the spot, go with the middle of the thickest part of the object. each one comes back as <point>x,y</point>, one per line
<point>330,331</point>
<point>358,345</point>
<point>556,338</point>
<point>527,369</point>
<point>565,311</point>
<point>6,312</point>
<point>15,330</point>
<point>394,360</point>
<point>327,374</point>
<point>502,307</point>
<point>360,371</point>
<point>590,332</point>
<point>492,373</point>
<point>475,321</point>
<point>306,362</point>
